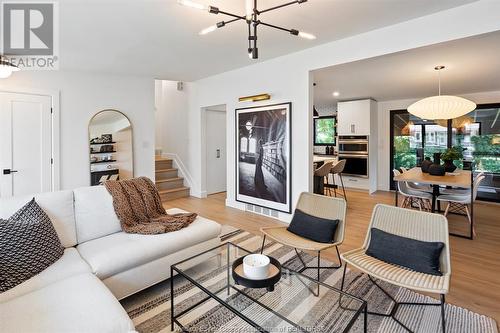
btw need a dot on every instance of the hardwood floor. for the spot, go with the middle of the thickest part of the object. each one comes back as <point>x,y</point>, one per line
<point>475,279</point>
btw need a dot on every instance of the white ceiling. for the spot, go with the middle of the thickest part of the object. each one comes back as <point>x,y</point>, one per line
<point>472,65</point>
<point>160,38</point>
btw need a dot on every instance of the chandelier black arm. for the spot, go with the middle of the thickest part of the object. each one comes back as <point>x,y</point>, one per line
<point>223,23</point>
<point>281,6</point>
<point>215,10</point>
<point>292,31</point>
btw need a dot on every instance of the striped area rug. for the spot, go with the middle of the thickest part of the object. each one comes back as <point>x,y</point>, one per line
<point>150,309</point>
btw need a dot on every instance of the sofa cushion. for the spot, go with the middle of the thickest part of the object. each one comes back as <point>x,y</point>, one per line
<point>71,263</point>
<point>80,303</point>
<point>119,252</point>
<point>28,245</point>
<point>57,205</point>
<point>94,213</point>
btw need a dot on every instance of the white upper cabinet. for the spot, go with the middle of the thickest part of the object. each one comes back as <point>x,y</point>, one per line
<point>354,117</point>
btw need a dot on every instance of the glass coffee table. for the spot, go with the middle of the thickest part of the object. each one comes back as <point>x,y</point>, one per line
<point>293,306</point>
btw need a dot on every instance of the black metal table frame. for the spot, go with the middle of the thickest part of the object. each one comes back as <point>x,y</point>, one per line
<point>436,193</point>
<point>228,287</point>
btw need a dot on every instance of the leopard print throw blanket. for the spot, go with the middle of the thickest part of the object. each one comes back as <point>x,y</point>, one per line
<point>138,207</point>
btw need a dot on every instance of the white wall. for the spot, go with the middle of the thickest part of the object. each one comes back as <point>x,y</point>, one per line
<point>384,109</point>
<point>172,108</point>
<point>81,95</point>
<point>287,79</point>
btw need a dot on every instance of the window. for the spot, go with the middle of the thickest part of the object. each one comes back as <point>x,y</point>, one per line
<point>478,133</point>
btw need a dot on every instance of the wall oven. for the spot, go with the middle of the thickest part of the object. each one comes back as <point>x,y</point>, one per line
<point>356,165</point>
<point>353,144</point>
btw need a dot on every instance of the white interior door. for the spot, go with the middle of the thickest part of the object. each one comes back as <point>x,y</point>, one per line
<point>25,144</point>
<point>216,151</point>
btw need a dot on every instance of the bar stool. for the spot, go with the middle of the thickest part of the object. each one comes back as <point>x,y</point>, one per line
<point>336,170</point>
<point>319,177</point>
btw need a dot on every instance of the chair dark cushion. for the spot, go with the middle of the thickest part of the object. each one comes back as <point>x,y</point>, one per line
<point>416,255</point>
<point>28,245</point>
<point>312,227</point>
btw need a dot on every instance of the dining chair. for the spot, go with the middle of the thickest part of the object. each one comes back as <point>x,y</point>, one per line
<point>422,199</point>
<point>336,169</point>
<point>320,206</point>
<point>422,226</point>
<point>458,203</point>
<point>460,190</point>
<point>417,186</point>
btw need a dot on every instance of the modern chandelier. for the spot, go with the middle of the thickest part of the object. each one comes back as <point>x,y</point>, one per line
<point>441,106</point>
<point>251,17</point>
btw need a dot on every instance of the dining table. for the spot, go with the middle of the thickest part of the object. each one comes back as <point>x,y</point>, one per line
<point>458,178</point>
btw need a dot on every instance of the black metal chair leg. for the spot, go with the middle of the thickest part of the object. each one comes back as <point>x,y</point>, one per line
<point>443,322</point>
<point>334,187</point>
<point>343,278</point>
<point>263,242</point>
<point>343,188</point>
<point>395,307</point>
<point>319,265</point>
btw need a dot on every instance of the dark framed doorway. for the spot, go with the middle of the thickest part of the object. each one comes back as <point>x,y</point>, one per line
<point>478,133</point>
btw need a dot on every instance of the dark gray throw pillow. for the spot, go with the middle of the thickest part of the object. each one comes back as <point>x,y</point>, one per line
<point>416,255</point>
<point>312,227</point>
<point>28,245</point>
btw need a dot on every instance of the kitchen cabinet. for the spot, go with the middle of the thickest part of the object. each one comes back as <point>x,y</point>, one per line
<point>354,117</point>
<point>359,118</point>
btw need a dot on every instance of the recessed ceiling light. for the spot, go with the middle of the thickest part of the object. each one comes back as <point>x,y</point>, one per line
<point>336,94</point>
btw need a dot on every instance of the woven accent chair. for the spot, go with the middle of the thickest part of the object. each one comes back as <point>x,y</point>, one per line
<point>320,206</point>
<point>412,224</point>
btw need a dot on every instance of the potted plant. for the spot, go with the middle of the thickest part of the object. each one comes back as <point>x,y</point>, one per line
<point>451,154</point>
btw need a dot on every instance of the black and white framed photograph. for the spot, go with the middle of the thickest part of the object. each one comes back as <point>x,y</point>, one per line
<point>263,167</point>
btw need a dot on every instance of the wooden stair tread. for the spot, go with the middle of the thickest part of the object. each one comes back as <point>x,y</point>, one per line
<point>162,159</point>
<point>165,170</point>
<point>169,180</point>
<point>183,188</point>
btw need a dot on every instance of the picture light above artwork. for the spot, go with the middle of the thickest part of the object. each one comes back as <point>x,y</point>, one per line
<point>255,98</point>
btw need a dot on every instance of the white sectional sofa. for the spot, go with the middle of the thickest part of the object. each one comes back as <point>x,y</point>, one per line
<point>101,265</point>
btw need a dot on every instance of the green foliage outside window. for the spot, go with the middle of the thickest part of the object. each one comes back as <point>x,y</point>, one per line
<point>486,154</point>
<point>325,131</point>
<point>404,156</point>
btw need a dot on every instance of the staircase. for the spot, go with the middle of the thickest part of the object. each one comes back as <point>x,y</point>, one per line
<point>168,182</point>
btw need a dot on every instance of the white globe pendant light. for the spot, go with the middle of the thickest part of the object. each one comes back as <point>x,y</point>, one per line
<point>6,68</point>
<point>441,106</point>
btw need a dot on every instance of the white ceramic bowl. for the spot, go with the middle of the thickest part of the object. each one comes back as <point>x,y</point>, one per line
<point>256,266</point>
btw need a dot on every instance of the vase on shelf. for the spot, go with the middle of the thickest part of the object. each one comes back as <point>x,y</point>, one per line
<point>449,166</point>
<point>436,169</point>
<point>425,165</point>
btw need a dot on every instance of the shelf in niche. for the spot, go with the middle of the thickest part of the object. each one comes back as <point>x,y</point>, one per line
<point>102,152</point>
<point>100,162</point>
<point>104,143</point>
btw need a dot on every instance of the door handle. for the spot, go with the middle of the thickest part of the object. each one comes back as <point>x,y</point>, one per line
<point>217,153</point>
<point>8,171</point>
<point>352,128</point>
